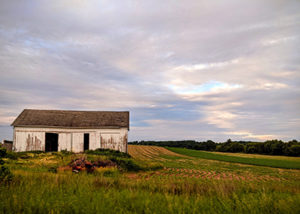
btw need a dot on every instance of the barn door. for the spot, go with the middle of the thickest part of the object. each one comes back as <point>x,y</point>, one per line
<point>51,142</point>
<point>86,142</point>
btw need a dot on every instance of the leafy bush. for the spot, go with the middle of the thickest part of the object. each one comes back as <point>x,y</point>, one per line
<point>17,155</point>
<point>108,152</point>
<point>65,152</point>
<point>108,171</point>
<point>23,155</point>
<point>5,174</point>
<point>33,154</point>
<point>2,152</point>
<point>52,169</point>
<point>127,164</point>
<point>12,155</point>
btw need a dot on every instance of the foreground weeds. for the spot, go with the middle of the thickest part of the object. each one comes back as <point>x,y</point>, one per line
<point>84,193</point>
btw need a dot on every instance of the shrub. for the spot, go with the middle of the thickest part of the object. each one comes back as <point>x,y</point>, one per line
<point>12,155</point>
<point>2,152</point>
<point>5,174</point>
<point>66,152</point>
<point>52,169</point>
<point>36,152</point>
<point>23,155</point>
<point>107,172</point>
<point>127,164</point>
<point>108,152</point>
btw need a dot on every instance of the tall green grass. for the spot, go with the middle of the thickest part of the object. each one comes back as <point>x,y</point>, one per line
<point>82,193</point>
<point>286,164</point>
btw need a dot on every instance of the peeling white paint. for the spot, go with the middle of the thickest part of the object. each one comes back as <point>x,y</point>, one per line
<point>30,139</point>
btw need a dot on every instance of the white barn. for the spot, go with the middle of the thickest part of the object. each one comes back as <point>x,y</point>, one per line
<point>76,131</point>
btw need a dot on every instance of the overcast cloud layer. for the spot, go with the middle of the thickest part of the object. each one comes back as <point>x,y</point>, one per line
<point>185,69</point>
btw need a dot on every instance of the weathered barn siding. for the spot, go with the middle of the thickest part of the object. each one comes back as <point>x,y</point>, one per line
<point>93,141</point>
<point>28,139</point>
<point>66,141</point>
<point>111,141</point>
<point>77,142</point>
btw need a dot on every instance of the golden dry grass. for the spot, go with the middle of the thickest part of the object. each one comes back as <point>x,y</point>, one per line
<point>146,152</point>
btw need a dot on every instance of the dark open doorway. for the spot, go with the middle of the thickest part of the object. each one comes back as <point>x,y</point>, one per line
<point>86,142</point>
<point>51,142</point>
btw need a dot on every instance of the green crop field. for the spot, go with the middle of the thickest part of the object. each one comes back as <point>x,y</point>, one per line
<point>260,161</point>
<point>153,180</point>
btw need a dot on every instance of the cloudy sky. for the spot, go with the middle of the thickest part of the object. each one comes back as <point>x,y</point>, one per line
<point>184,69</point>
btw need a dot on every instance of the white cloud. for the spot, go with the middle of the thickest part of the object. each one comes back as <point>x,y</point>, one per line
<point>270,86</point>
<point>221,119</point>
<point>250,136</point>
<point>209,87</point>
<point>197,67</point>
<point>270,42</point>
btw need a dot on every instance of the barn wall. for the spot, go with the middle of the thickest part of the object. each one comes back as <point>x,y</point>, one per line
<point>77,142</point>
<point>114,140</point>
<point>64,141</point>
<point>29,139</point>
<point>94,144</point>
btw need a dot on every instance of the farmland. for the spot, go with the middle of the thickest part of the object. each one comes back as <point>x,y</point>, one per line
<point>161,181</point>
<point>260,160</point>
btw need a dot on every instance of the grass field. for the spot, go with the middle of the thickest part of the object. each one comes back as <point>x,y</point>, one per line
<point>184,183</point>
<point>262,160</point>
<point>276,157</point>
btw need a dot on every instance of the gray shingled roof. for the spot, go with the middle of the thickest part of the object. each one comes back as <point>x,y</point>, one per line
<point>72,119</point>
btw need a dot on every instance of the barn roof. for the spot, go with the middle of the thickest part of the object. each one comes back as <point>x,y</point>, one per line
<point>72,119</point>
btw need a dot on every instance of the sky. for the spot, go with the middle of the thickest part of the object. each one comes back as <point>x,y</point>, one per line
<point>188,69</point>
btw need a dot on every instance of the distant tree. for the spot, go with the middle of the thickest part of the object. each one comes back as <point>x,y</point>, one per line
<point>294,150</point>
<point>229,141</point>
<point>251,148</point>
<point>270,147</point>
<point>235,147</point>
<point>273,147</point>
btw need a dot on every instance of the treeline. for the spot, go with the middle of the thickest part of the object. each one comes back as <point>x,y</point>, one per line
<point>270,147</point>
